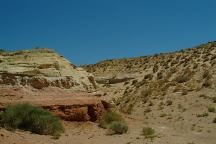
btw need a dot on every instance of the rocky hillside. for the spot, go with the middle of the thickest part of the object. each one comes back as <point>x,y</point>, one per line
<point>171,92</point>
<point>166,98</point>
<point>42,68</point>
<point>183,71</point>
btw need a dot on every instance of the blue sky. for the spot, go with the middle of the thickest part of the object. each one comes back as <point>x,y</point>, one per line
<point>86,31</point>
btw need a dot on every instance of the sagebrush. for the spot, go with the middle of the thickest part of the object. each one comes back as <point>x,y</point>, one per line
<point>114,122</point>
<point>31,118</point>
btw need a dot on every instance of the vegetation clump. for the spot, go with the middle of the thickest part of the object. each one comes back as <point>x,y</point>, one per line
<point>114,122</point>
<point>118,127</point>
<point>211,109</point>
<point>214,99</point>
<point>148,132</point>
<point>31,118</point>
<point>182,79</point>
<point>169,102</point>
<point>205,114</point>
<point>214,121</point>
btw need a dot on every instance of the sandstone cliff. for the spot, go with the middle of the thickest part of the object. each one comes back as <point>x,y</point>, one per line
<point>44,78</point>
<point>42,68</point>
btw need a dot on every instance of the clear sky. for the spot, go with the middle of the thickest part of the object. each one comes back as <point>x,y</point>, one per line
<point>86,31</point>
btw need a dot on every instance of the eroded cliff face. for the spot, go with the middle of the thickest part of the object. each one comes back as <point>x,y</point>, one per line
<point>42,68</point>
<point>42,77</point>
<point>80,108</point>
<point>82,112</point>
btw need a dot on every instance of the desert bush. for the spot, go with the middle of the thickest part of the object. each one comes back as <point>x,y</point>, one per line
<point>31,118</point>
<point>207,83</point>
<point>214,121</point>
<point>148,76</point>
<point>173,63</point>
<point>213,43</point>
<point>213,62</point>
<point>205,59</point>
<point>182,78</point>
<point>163,115</point>
<point>169,102</point>
<point>128,108</point>
<point>141,83</point>
<point>184,92</point>
<point>145,94</point>
<point>118,127</point>
<point>195,65</point>
<point>159,75</point>
<point>148,132</point>
<point>42,50</point>
<point>147,110</point>
<point>204,96</point>
<point>109,117</point>
<point>155,68</point>
<point>117,101</point>
<point>205,114</point>
<point>134,82</point>
<point>213,57</point>
<point>114,122</point>
<point>214,99</point>
<point>211,109</point>
<point>206,74</point>
<point>57,65</point>
<point>186,76</point>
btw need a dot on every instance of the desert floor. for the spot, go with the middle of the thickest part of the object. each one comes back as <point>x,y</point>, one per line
<point>83,133</point>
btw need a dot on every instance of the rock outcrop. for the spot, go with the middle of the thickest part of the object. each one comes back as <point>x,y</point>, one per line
<point>112,80</point>
<point>42,68</point>
<point>42,77</point>
<point>69,109</point>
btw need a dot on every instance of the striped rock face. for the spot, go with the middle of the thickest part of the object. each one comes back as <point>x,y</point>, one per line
<point>44,78</point>
<point>42,68</point>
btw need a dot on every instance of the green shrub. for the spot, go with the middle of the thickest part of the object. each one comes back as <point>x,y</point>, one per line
<point>214,121</point>
<point>31,118</point>
<point>114,122</point>
<point>211,109</point>
<point>205,114</point>
<point>118,127</point>
<point>214,99</point>
<point>148,132</point>
<point>109,117</point>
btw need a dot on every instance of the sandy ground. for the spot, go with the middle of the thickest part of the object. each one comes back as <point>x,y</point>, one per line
<point>82,133</point>
<point>178,127</point>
